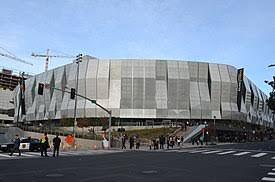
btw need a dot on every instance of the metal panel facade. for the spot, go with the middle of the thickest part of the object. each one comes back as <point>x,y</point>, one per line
<point>143,89</point>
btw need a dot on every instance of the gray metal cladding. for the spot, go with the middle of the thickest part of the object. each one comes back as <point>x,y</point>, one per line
<point>157,89</point>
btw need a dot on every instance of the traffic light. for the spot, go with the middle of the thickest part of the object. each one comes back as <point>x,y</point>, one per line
<point>40,88</point>
<point>72,93</point>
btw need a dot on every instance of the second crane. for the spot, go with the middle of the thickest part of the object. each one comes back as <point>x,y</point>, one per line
<point>48,56</point>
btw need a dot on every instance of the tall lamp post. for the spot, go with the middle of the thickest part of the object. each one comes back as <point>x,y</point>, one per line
<point>78,60</point>
<point>214,128</point>
<point>97,104</point>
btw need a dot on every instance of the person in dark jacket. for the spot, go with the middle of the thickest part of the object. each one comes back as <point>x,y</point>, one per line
<point>16,146</point>
<point>56,145</point>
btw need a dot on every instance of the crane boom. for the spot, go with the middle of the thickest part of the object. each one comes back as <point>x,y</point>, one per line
<point>47,56</point>
<point>51,56</point>
<point>15,58</point>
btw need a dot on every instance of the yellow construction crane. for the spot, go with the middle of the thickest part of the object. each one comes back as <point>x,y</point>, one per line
<point>11,56</point>
<point>47,56</point>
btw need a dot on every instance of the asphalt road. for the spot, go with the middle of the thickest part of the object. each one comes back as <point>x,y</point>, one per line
<point>139,166</point>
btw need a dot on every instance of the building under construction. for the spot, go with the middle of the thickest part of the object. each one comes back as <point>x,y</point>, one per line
<point>9,79</point>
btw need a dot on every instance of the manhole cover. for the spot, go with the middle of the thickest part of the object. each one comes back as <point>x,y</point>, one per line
<point>54,175</point>
<point>150,172</point>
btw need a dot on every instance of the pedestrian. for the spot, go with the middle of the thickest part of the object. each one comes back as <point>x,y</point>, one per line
<point>137,142</point>
<point>131,141</point>
<point>161,141</point>
<point>44,145</point>
<point>56,145</point>
<point>16,146</point>
<point>123,141</point>
<point>178,141</point>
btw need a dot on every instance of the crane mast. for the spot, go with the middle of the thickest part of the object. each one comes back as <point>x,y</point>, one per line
<point>47,56</point>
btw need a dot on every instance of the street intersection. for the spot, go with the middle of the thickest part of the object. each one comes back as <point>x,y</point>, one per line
<point>223,163</point>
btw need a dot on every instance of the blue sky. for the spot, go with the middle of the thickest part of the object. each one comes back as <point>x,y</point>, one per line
<point>239,33</point>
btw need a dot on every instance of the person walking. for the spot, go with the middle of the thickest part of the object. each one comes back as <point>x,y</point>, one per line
<point>16,146</point>
<point>124,138</point>
<point>137,142</point>
<point>131,141</point>
<point>56,145</point>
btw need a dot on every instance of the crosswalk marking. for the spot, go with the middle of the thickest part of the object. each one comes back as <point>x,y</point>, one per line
<point>227,152</point>
<point>259,155</point>
<point>7,155</point>
<point>272,174</point>
<point>197,151</point>
<point>63,153</point>
<point>212,152</point>
<point>268,179</point>
<point>242,153</point>
<point>35,153</point>
<point>182,151</point>
<point>26,155</point>
<point>273,157</point>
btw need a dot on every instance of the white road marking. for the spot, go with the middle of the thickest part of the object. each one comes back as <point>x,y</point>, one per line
<point>27,155</point>
<point>268,179</point>
<point>259,155</point>
<point>273,157</point>
<point>242,153</point>
<point>272,174</point>
<point>7,155</point>
<point>228,152</point>
<point>181,151</point>
<point>273,169</point>
<point>61,153</point>
<point>212,152</point>
<point>198,151</point>
<point>35,153</point>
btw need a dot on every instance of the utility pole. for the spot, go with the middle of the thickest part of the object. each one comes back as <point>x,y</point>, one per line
<point>21,97</point>
<point>78,60</point>
<point>18,103</point>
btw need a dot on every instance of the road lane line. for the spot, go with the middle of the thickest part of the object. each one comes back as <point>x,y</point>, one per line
<point>272,174</point>
<point>212,152</point>
<point>242,153</point>
<point>228,152</point>
<point>259,155</point>
<point>273,157</point>
<point>27,155</point>
<point>198,151</point>
<point>273,169</point>
<point>268,179</point>
<point>7,156</point>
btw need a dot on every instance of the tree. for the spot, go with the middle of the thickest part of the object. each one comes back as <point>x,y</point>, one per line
<point>271,101</point>
<point>83,122</point>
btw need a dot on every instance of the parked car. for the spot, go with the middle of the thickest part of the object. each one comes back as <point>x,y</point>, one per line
<point>26,144</point>
<point>6,147</point>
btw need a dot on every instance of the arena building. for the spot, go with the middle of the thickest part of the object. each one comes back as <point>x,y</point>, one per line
<point>140,91</point>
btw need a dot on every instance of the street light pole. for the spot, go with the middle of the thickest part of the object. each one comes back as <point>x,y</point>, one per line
<point>214,128</point>
<point>18,103</point>
<point>110,123</point>
<point>78,60</point>
<point>103,108</point>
